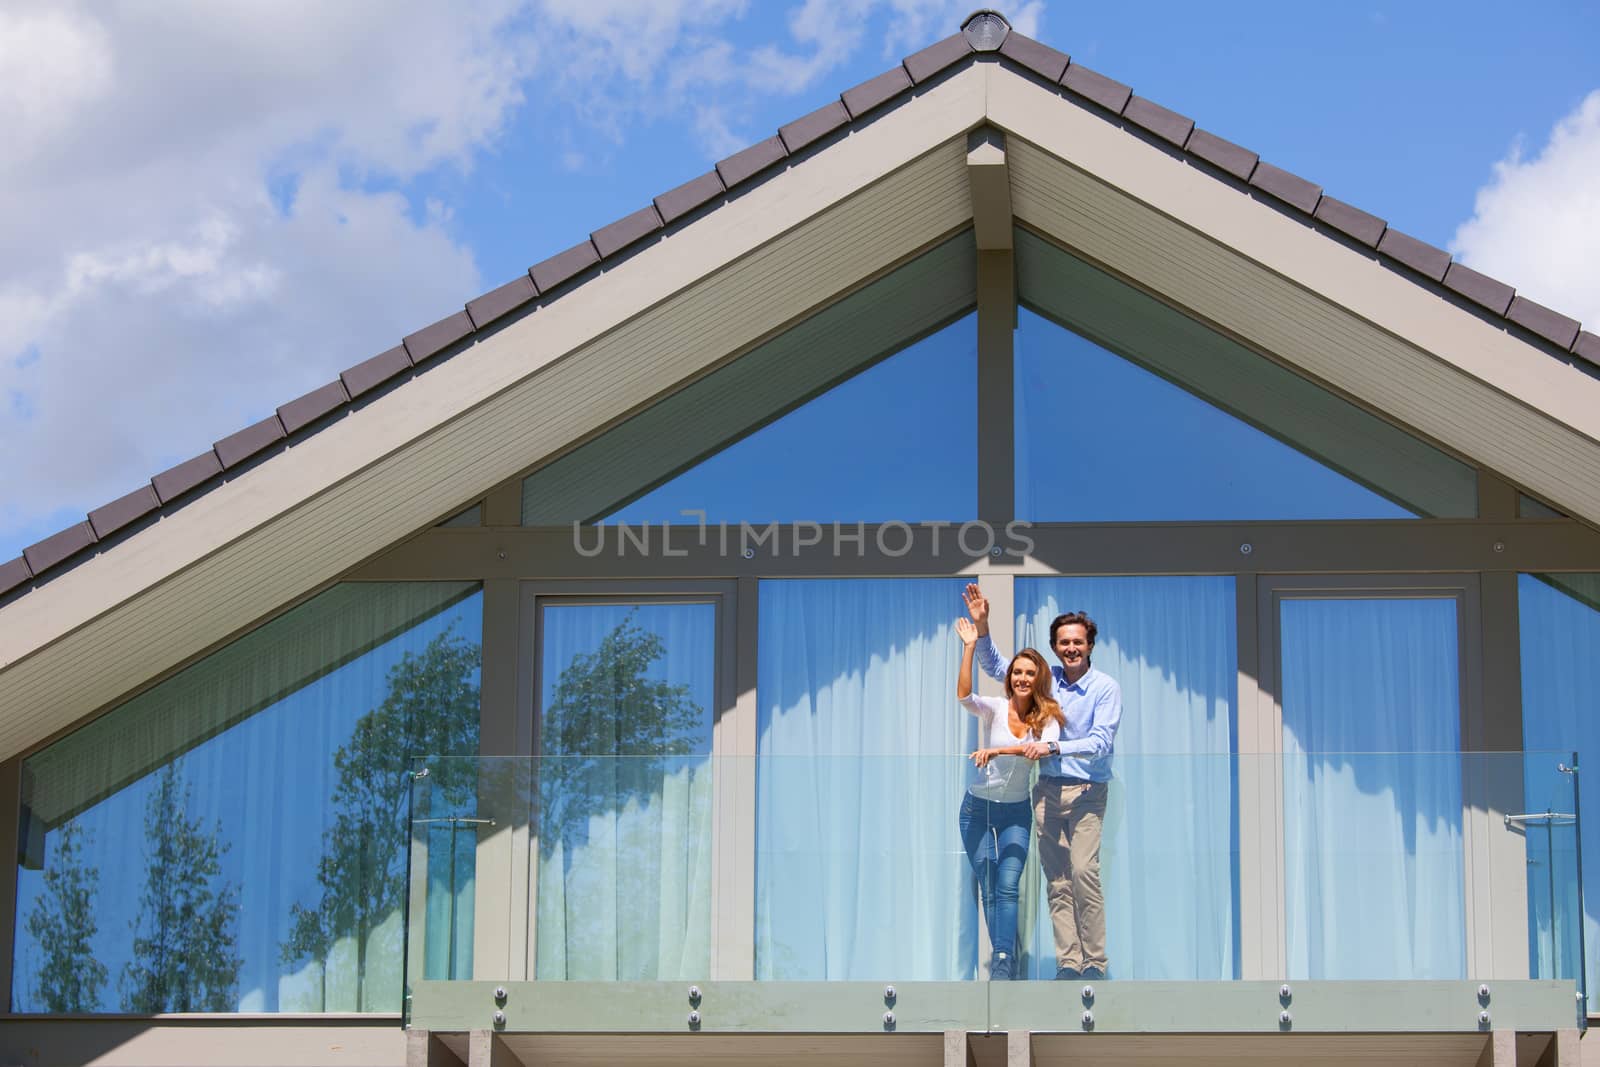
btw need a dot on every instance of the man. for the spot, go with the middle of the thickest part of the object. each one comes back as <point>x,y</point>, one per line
<point>1069,799</point>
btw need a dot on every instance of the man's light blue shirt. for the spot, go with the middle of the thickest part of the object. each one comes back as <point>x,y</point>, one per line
<point>1093,709</point>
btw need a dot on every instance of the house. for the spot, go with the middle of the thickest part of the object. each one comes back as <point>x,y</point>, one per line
<point>520,695</point>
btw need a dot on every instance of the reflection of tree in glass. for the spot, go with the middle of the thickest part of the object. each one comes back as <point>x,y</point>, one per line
<point>185,943</point>
<point>62,924</point>
<point>618,835</point>
<point>605,705</point>
<point>431,708</point>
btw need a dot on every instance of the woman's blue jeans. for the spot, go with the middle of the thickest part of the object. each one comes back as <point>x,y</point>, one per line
<point>996,839</point>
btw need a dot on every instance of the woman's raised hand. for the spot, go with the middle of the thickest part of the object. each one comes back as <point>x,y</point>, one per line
<point>968,634</point>
<point>977,604</point>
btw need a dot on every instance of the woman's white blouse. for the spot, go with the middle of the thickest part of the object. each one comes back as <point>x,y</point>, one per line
<point>1005,779</point>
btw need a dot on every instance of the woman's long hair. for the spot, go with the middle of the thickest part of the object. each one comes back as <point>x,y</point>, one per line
<point>1042,706</point>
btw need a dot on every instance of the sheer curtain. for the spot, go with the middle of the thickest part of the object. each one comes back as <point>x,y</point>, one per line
<point>1168,856</point>
<point>859,868</point>
<point>624,865</point>
<point>452,878</point>
<point>1372,788</point>
<point>1560,623</point>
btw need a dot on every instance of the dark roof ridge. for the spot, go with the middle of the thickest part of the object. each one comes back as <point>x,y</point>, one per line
<point>982,32</point>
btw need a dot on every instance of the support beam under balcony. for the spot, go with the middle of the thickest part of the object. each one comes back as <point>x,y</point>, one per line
<point>1019,1048</point>
<point>485,1048</point>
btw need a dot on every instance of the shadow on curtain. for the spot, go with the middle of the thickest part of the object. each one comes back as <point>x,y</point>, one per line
<point>624,791</point>
<point>1560,635</point>
<point>1169,852</point>
<point>860,872</point>
<point>1372,788</point>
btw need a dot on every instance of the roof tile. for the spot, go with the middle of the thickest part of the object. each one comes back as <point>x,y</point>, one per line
<point>611,239</point>
<point>498,303</point>
<point>1546,322</point>
<point>937,56</point>
<point>815,126</point>
<point>564,266</point>
<point>674,204</point>
<point>747,163</point>
<point>1290,188</point>
<point>175,481</point>
<point>371,373</point>
<point>13,573</point>
<point>1107,92</point>
<point>875,91</point>
<point>124,511</point>
<point>238,447</point>
<point>1164,123</point>
<point>1225,155</point>
<point>433,339</point>
<point>1587,347</point>
<point>1351,221</point>
<point>302,411</point>
<point>1031,55</point>
<point>58,546</point>
<point>1479,288</point>
<point>1418,255</point>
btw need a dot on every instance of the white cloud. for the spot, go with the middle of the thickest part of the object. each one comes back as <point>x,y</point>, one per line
<point>53,63</point>
<point>1025,20</point>
<point>711,126</point>
<point>604,52</point>
<point>168,297</point>
<point>1536,224</point>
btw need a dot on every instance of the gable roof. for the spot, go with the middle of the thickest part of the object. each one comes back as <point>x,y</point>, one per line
<point>737,256</point>
<point>984,33</point>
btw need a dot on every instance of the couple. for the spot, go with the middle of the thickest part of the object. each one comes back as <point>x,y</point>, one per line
<point>1065,718</point>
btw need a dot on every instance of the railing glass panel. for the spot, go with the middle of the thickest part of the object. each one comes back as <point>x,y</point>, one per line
<point>919,868</point>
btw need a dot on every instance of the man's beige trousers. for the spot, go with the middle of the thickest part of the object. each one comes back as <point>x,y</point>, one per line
<point>1068,820</point>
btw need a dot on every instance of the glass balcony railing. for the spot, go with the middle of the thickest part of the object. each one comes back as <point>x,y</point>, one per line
<point>1219,868</point>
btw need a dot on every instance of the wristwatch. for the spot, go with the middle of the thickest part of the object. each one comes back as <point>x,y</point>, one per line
<point>1055,748</point>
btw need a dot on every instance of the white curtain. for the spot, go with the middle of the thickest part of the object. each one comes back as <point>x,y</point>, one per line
<point>624,865</point>
<point>449,832</point>
<point>859,868</point>
<point>1372,788</point>
<point>1560,623</point>
<point>1167,857</point>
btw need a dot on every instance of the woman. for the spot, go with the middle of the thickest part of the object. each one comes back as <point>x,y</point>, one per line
<point>995,814</point>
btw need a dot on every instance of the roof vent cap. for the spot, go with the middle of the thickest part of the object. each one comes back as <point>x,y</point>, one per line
<point>985,30</point>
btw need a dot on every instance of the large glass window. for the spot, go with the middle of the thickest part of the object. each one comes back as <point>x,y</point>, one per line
<point>1560,622</point>
<point>896,442</point>
<point>860,872</point>
<point>626,698</point>
<point>1169,851</point>
<point>234,839</point>
<point>814,424</point>
<point>1128,411</point>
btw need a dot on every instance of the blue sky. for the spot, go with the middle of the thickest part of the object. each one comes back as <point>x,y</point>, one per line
<point>209,211</point>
